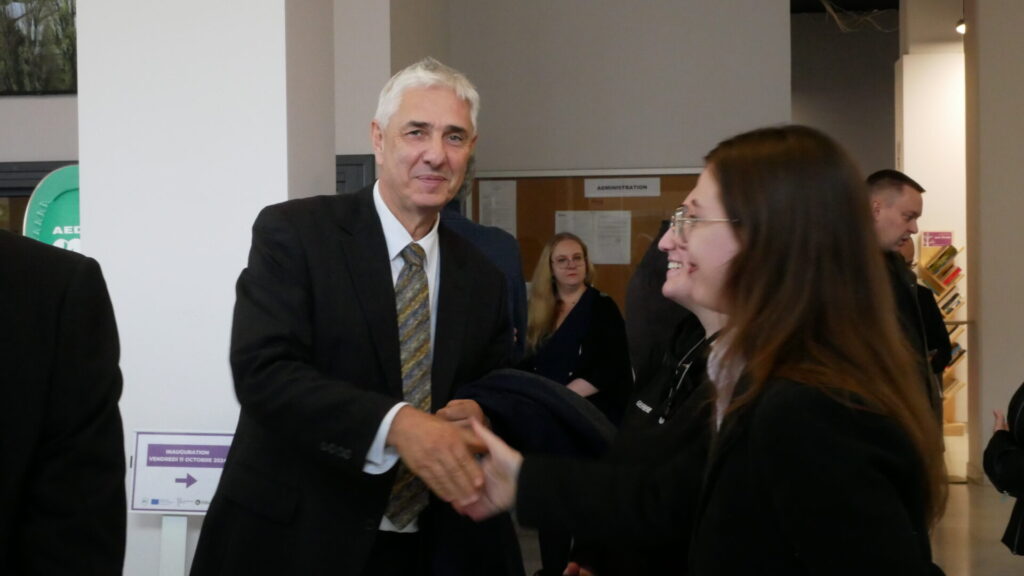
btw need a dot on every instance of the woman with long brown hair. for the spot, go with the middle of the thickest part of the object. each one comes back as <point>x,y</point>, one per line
<point>825,458</point>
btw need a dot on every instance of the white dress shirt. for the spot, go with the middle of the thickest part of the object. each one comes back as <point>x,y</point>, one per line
<point>381,458</point>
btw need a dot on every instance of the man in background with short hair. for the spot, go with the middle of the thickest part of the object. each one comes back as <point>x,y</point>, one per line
<point>896,204</point>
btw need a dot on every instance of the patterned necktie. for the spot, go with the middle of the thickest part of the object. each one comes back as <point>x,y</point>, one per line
<point>412,300</point>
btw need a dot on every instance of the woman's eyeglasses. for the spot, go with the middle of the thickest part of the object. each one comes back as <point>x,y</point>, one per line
<point>682,222</point>
<point>564,261</point>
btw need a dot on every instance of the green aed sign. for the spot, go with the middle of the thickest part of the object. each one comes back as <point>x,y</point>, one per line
<point>52,214</point>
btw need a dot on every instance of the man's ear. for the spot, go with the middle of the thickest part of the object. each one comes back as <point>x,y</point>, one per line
<point>876,207</point>
<point>377,141</point>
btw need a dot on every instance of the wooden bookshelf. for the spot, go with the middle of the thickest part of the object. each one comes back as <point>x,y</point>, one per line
<point>954,429</point>
<point>939,270</point>
<point>957,330</point>
<point>951,385</point>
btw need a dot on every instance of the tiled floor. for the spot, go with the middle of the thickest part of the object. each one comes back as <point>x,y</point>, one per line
<point>965,543</point>
<point>967,540</point>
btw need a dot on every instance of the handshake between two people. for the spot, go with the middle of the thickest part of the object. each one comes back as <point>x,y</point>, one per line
<point>442,451</point>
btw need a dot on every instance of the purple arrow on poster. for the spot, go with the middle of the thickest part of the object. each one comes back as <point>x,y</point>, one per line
<point>186,455</point>
<point>188,480</point>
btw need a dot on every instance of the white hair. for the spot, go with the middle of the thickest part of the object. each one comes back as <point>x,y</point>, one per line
<point>425,74</point>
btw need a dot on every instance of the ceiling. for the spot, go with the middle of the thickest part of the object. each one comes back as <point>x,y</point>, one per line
<point>805,6</point>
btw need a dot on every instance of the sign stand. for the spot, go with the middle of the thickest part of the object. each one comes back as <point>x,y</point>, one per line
<point>173,532</point>
<point>175,474</point>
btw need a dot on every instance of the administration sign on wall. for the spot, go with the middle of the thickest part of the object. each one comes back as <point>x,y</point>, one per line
<point>177,472</point>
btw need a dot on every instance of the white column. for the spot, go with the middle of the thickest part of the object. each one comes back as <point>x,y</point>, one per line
<point>309,49</point>
<point>994,50</point>
<point>362,64</point>
<point>185,132</point>
<point>930,124</point>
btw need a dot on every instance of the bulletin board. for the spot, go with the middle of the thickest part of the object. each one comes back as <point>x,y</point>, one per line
<point>537,200</point>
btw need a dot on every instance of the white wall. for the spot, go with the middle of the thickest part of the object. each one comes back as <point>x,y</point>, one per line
<point>309,50</point>
<point>933,150</point>
<point>671,78</point>
<point>843,84</point>
<point>36,128</point>
<point>419,28</point>
<point>603,84</point>
<point>995,179</point>
<point>929,26</point>
<point>183,138</point>
<point>362,64</point>
<point>46,127</point>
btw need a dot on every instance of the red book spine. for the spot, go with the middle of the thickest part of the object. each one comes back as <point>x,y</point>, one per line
<point>952,276</point>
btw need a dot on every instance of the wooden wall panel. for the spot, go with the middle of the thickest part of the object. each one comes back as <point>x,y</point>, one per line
<point>537,200</point>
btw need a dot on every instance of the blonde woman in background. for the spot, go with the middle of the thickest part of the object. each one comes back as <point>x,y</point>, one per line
<point>575,335</point>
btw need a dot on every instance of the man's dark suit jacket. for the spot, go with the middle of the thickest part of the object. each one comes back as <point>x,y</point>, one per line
<point>62,497</point>
<point>315,357</point>
<point>940,349</point>
<point>502,249</point>
<point>904,290</point>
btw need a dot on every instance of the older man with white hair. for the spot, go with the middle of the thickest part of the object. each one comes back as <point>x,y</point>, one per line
<point>357,319</point>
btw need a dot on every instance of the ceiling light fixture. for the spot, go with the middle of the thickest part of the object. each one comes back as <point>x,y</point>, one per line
<point>961,27</point>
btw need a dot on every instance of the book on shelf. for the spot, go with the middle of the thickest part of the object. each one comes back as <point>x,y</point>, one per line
<point>940,260</point>
<point>949,278</point>
<point>953,294</point>
<point>933,284</point>
<point>946,270</point>
<point>950,307</point>
<point>945,265</point>
<point>957,352</point>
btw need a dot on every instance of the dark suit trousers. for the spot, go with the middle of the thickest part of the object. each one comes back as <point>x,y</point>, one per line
<point>395,554</point>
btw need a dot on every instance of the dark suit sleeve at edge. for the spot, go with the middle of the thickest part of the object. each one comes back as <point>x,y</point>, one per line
<point>77,497</point>
<point>934,330</point>
<point>1004,463</point>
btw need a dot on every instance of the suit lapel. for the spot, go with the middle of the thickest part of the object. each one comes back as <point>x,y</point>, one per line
<point>366,252</point>
<point>451,317</point>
